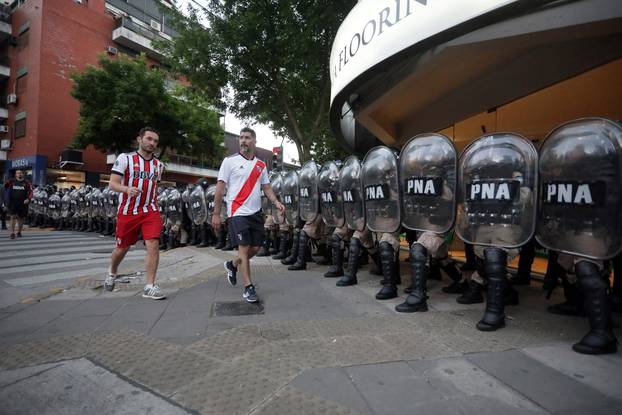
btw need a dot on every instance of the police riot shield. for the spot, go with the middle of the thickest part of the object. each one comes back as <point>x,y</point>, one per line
<point>54,206</point>
<point>198,204</point>
<point>290,197</point>
<point>113,202</point>
<point>185,198</point>
<point>82,212</point>
<point>381,190</point>
<point>96,200</point>
<point>43,202</point>
<point>330,195</point>
<point>74,202</point>
<point>276,182</point>
<point>497,191</point>
<point>161,199</point>
<point>428,164</point>
<point>210,195</point>
<point>309,197</point>
<point>65,205</point>
<point>174,209</point>
<point>581,189</point>
<point>352,193</point>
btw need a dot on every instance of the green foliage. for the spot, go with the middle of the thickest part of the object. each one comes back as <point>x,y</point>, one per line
<point>123,95</point>
<point>273,55</point>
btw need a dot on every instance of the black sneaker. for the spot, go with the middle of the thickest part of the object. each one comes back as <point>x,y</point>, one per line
<point>249,294</point>
<point>19,234</point>
<point>231,272</point>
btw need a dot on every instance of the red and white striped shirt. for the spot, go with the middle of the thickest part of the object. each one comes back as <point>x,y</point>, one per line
<point>142,174</point>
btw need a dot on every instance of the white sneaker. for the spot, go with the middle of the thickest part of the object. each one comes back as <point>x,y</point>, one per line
<point>109,283</point>
<point>155,293</point>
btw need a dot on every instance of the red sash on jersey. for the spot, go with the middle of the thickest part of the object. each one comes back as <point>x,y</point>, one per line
<point>248,186</point>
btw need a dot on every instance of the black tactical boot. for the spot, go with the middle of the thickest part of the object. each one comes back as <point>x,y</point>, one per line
<point>283,242</point>
<point>457,286</point>
<point>335,270</point>
<point>163,240</point>
<point>228,245</point>
<point>303,248</point>
<point>293,252</point>
<point>473,292</point>
<point>471,258</point>
<point>202,239</point>
<point>377,265</point>
<point>600,339</point>
<point>354,250</point>
<point>323,255</point>
<point>170,242</point>
<point>525,261</point>
<point>387,259</point>
<point>417,299</point>
<point>496,272</point>
<point>573,306</point>
<point>276,243</point>
<point>265,246</point>
<point>364,257</point>
<point>222,236</point>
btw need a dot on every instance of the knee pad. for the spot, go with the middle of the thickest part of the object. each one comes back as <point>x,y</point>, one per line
<point>335,241</point>
<point>386,251</point>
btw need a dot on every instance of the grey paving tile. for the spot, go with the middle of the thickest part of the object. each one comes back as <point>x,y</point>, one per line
<point>181,323</point>
<point>332,384</point>
<point>294,401</point>
<point>67,326</point>
<point>603,373</point>
<point>553,390</point>
<point>32,318</point>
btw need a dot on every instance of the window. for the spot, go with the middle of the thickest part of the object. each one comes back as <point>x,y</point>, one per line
<point>20,128</point>
<point>21,84</point>
<point>23,40</point>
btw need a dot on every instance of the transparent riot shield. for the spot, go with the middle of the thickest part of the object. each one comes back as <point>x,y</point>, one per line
<point>352,193</point>
<point>381,190</point>
<point>290,197</point>
<point>497,193</point>
<point>329,191</point>
<point>174,210</point>
<point>276,182</point>
<point>210,194</point>
<point>428,165</point>
<point>198,204</point>
<point>309,198</point>
<point>581,189</point>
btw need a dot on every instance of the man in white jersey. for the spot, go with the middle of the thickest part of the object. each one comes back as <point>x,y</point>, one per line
<point>244,176</point>
<point>135,177</point>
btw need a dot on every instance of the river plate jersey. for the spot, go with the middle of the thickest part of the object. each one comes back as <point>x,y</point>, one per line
<point>142,174</point>
<point>244,179</point>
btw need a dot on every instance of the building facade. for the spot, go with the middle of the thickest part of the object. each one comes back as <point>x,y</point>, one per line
<point>42,43</point>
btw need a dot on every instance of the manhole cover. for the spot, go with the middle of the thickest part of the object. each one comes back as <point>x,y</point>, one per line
<point>236,308</point>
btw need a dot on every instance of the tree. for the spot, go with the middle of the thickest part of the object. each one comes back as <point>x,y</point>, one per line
<point>273,55</point>
<point>123,95</point>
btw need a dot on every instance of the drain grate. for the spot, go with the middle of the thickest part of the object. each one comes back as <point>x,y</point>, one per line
<point>236,308</point>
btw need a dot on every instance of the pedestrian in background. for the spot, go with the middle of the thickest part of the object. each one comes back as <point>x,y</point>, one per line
<point>17,192</point>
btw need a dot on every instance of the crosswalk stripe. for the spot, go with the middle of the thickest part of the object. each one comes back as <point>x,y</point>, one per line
<point>31,252</point>
<point>24,281</point>
<point>55,244</point>
<point>60,265</point>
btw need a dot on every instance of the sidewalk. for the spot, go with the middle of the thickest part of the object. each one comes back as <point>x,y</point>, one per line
<point>308,348</point>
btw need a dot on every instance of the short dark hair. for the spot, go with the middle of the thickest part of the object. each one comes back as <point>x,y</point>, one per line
<point>143,130</point>
<point>248,130</point>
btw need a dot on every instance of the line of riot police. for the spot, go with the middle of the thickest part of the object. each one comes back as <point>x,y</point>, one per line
<point>497,195</point>
<point>86,209</point>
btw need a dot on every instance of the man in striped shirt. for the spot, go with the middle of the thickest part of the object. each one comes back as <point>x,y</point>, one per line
<point>244,176</point>
<point>135,177</point>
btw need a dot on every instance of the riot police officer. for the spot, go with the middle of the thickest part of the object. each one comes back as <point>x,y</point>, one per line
<point>497,210</point>
<point>427,167</point>
<point>581,214</point>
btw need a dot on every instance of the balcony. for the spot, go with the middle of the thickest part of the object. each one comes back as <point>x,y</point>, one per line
<point>191,165</point>
<point>5,22</point>
<point>137,37</point>
<point>5,67</point>
<point>4,109</point>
